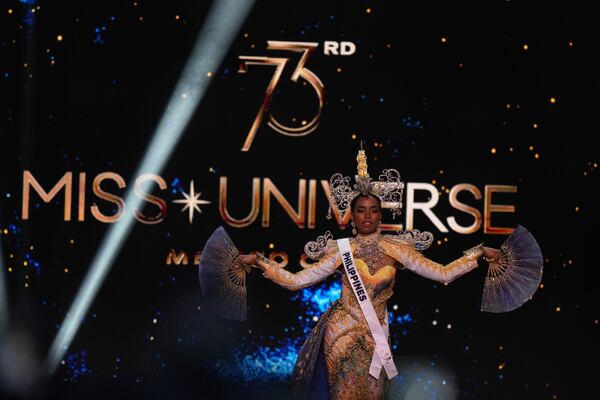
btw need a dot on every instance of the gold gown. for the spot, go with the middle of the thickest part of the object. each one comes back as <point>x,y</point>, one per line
<point>342,333</point>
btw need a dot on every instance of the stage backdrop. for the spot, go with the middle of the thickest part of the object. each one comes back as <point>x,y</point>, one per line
<point>488,112</point>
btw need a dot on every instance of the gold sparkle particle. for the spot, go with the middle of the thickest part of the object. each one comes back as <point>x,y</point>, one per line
<point>557,309</point>
<point>246,34</point>
<point>576,209</point>
<point>154,321</point>
<point>449,326</point>
<point>177,17</point>
<point>353,137</point>
<point>339,69</point>
<point>25,263</point>
<point>31,247</point>
<point>493,150</point>
<point>26,284</point>
<point>530,148</point>
<point>9,269</point>
<point>368,10</point>
<point>10,11</point>
<point>209,74</point>
<point>59,38</point>
<point>71,241</point>
<point>191,201</point>
<point>141,19</point>
<point>304,122</point>
<point>570,44</point>
<point>553,100</point>
<point>433,181</point>
<point>439,242</point>
<point>541,285</point>
<point>525,47</point>
<point>444,40</point>
<point>151,338</point>
<point>537,156</point>
<point>501,366</point>
<point>535,126</point>
<point>511,149</point>
<point>267,305</point>
<point>6,231</point>
<point>445,239</point>
<point>271,246</point>
<point>508,105</point>
<point>66,270</point>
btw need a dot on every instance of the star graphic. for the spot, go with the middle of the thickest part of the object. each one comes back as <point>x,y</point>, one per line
<point>191,201</point>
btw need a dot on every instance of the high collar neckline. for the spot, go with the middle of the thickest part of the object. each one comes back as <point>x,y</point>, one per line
<point>367,237</point>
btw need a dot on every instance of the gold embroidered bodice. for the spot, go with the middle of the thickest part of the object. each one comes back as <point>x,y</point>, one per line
<point>379,287</point>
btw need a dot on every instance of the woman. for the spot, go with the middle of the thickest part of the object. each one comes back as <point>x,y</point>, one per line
<point>337,360</point>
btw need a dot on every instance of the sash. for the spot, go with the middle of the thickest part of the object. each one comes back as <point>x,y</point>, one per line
<point>382,355</point>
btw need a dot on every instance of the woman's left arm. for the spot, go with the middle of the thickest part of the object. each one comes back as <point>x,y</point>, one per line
<point>418,263</point>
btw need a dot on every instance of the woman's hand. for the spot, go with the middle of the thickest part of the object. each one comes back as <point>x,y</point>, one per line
<point>491,254</point>
<point>246,259</point>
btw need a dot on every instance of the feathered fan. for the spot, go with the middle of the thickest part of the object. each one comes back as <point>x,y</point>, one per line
<point>222,281</point>
<point>517,274</point>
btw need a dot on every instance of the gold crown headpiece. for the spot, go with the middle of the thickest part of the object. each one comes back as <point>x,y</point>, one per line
<point>389,188</point>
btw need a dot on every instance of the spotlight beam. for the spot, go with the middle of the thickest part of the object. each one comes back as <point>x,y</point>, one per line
<point>223,22</point>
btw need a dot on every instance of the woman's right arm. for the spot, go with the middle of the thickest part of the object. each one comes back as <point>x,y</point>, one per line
<point>299,280</point>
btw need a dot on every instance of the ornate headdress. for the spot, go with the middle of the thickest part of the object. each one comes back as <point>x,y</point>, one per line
<point>388,188</point>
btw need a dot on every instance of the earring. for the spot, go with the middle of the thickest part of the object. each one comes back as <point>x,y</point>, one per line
<point>353,228</point>
<point>379,229</point>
